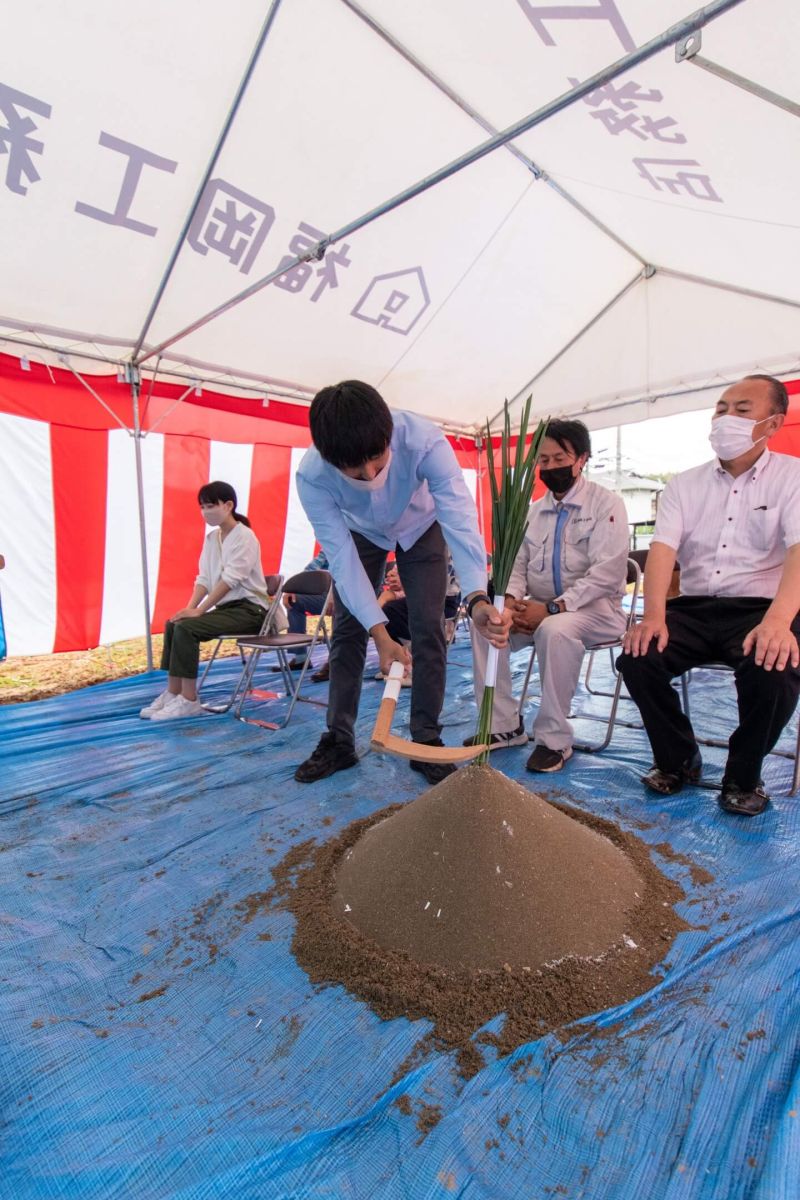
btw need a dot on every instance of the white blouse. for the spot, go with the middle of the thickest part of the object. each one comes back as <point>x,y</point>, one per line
<point>237,560</point>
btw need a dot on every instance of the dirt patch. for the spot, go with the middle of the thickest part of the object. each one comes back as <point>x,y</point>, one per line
<point>699,875</point>
<point>152,995</point>
<point>535,996</point>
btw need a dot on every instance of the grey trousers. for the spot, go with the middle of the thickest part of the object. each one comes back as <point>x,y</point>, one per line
<point>561,642</point>
<point>423,571</point>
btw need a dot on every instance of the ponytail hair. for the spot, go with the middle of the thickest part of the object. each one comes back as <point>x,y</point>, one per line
<point>218,492</point>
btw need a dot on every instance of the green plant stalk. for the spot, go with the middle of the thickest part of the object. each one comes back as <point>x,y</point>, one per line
<point>511,497</point>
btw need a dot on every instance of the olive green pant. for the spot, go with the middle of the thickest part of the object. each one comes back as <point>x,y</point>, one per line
<point>181,653</point>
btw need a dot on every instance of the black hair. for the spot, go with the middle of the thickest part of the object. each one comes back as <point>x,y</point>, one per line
<point>350,423</point>
<point>571,436</point>
<point>218,492</point>
<point>777,392</point>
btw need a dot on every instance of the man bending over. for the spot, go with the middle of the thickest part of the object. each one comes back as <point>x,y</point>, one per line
<point>376,481</point>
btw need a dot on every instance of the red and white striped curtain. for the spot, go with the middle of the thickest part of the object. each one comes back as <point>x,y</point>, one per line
<point>70,528</point>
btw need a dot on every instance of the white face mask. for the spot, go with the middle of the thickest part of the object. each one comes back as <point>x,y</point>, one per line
<point>214,516</point>
<point>372,485</point>
<point>731,437</point>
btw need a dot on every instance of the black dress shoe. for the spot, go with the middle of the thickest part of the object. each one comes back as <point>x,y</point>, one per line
<point>294,664</point>
<point>745,802</point>
<point>667,783</point>
<point>329,757</point>
<point>434,772</point>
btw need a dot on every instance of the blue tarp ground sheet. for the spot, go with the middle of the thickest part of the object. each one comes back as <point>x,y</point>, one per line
<point>157,1045</point>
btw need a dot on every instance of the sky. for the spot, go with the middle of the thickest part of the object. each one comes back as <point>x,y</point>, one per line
<point>662,444</point>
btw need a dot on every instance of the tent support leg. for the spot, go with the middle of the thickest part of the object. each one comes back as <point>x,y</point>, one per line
<point>133,378</point>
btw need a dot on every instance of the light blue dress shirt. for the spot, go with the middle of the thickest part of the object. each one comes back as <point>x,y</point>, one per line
<point>424,484</point>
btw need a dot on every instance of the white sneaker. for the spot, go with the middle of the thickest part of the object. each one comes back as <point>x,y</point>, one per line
<point>156,705</point>
<point>180,707</point>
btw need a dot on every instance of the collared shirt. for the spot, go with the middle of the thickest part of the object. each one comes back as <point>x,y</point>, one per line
<point>731,535</point>
<point>424,484</point>
<point>236,559</point>
<point>594,548</point>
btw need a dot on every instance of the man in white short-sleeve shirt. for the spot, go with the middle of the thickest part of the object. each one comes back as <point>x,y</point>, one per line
<point>733,524</point>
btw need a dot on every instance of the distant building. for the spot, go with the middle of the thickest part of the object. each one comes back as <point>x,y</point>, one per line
<point>639,494</point>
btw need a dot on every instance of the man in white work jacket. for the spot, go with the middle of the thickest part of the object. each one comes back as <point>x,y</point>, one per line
<point>565,593</point>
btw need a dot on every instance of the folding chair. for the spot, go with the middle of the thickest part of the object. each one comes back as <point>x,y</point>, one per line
<point>307,583</point>
<point>640,557</point>
<point>274,592</point>
<point>685,680</point>
<point>452,624</point>
<point>634,576</point>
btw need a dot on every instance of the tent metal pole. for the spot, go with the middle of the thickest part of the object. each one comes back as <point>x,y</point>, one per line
<point>613,405</point>
<point>66,363</point>
<point>171,409</point>
<point>640,275</point>
<point>527,162</point>
<point>641,54</point>
<point>686,51</point>
<point>212,162</point>
<point>728,287</point>
<point>133,379</point>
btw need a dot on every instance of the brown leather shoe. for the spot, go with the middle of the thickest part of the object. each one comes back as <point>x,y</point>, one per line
<point>743,802</point>
<point>322,675</point>
<point>668,783</point>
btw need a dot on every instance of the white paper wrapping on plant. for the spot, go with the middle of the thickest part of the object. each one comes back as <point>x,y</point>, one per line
<point>491,667</point>
<point>393,684</point>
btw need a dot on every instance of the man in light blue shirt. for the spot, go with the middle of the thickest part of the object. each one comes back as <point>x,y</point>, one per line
<point>373,482</point>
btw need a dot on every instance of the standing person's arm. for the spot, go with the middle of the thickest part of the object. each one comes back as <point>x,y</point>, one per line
<point>346,567</point>
<point>458,518</point>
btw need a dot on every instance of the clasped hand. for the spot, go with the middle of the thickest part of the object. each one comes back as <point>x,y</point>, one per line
<point>526,615</point>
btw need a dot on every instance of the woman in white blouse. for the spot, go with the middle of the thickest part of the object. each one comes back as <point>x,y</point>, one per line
<point>229,597</point>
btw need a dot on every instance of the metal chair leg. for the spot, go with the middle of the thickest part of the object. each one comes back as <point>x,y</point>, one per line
<point>588,748</point>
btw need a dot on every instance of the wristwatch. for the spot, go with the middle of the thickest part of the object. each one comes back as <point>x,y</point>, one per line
<point>553,607</point>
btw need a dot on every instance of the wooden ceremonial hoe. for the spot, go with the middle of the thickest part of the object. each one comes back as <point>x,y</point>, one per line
<point>384,739</point>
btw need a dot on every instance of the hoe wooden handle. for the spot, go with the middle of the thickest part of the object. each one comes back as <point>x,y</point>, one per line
<point>391,691</point>
<point>384,739</point>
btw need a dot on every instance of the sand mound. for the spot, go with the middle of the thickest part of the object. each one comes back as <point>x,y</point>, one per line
<point>480,873</point>
<point>408,910</point>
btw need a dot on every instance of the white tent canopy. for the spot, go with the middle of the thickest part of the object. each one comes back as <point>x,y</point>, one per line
<point>623,258</point>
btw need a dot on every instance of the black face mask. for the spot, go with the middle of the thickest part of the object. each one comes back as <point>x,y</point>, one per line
<point>557,479</point>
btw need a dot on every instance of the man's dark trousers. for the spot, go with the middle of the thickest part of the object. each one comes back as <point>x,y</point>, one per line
<point>702,630</point>
<point>300,607</point>
<point>423,571</point>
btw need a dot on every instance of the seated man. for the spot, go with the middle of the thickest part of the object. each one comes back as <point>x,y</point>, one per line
<point>572,567</point>
<point>734,524</point>
<point>394,603</point>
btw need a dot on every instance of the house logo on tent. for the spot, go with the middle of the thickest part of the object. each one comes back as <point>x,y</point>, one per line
<point>395,300</point>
